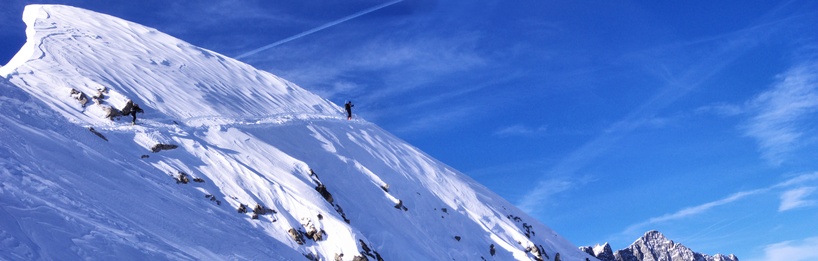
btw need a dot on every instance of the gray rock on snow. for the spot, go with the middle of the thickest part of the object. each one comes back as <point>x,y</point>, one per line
<point>160,147</point>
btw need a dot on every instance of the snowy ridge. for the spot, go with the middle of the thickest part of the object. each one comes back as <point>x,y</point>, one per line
<point>168,75</point>
<point>653,246</point>
<point>227,162</point>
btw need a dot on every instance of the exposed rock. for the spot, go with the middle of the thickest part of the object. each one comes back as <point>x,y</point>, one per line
<point>213,198</point>
<point>364,247</point>
<point>312,232</point>
<point>537,252</point>
<point>324,193</point>
<point>312,257</point>
<point>182,178</point>
<point>100,95</point>
<point>369,252</point>
<point>601,252</point>
<point>262,210</point>
<point>401,206</point>
<point>127,108</point>
<point>528,231</point>
<point>160,147</point>
<point>341,212</point>
<point>296,236</point>
<point>242,208</point>
<point>110,112</point>
<point>515,218</point>
<point>97,133</point>
<point>79,96</point>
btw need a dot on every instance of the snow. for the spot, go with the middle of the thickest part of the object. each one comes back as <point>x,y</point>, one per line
<point>599,249</point>
<point>250,136</point>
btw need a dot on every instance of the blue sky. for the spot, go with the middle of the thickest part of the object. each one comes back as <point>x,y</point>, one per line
<point>602,119</point>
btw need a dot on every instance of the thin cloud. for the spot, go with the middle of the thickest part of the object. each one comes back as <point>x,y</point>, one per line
<point>403,65</point>
<point>800,179</point>
<point>319,28</point>
<point>522,130</point>
<point>782,112</point>
<point>692,211</point>
<point>421,61</point>
<point>437,121</point>
<point>793,250</point>
<point>551,188</point>
<point>702,208</point>
<point>722,109</point>
<point>796,198</point>
<point>627,126</point>
<point>730,47</point>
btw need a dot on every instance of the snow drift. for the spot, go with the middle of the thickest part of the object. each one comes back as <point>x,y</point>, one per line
<point>227,162</point>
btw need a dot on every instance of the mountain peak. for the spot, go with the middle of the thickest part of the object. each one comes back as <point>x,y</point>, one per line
<point>654,237</point>
<point>602,252</point>
<point>653,246</point>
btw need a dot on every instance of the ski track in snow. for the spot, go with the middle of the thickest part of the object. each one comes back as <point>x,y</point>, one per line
<point>243,137</point>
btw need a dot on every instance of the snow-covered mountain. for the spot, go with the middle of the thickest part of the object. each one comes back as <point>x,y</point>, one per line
<point>653,246</point>
<point>227,162</point>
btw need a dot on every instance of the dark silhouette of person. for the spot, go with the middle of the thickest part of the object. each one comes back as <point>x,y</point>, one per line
<point>133,112</point>
<point>348,106</point>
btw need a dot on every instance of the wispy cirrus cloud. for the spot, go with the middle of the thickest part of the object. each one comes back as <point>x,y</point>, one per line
<point>722,109</point>
<point>691,211</point>
<point>796,198</point>
<point>390,70</point>
<point>438,121</point>
<point>792,250</point>
<point>791,198</point>
<point>728,48</point>
<point>522,130</point>
<point>780,116</point>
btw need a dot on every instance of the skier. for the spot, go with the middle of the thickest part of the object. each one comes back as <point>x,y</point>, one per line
<point>133,112</point>
<point>348,106</point>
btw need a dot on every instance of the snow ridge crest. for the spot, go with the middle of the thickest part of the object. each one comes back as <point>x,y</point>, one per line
<point>70,50</point>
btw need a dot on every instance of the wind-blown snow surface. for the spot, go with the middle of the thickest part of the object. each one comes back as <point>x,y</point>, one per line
<point>250,137</point>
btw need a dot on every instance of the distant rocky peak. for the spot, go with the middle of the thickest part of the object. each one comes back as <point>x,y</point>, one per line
<point>603,249</point>
<point>655,236</point>
<point>602,252</point>
<point>653,246</point>
<point>655,239</point>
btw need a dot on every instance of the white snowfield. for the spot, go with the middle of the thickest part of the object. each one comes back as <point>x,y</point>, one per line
<point>243,137</point>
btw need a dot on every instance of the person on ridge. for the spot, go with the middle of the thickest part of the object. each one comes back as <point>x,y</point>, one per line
<point>348,106</point>
<point>133,112</point>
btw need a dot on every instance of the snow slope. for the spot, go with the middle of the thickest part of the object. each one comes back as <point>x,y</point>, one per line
<point>243,137</point>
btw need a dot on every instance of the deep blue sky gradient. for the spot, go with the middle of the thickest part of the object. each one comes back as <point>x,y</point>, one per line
<point>602,119</point>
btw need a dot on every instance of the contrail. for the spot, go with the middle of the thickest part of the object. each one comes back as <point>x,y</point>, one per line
<point>325,26</point>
